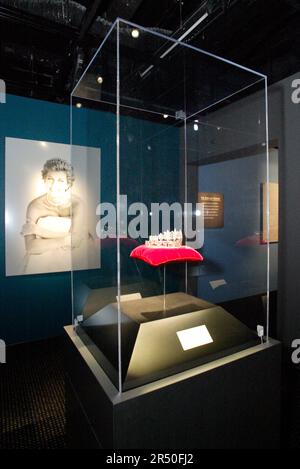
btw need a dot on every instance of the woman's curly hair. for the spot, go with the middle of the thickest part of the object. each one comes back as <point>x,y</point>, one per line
<point>57,164</point>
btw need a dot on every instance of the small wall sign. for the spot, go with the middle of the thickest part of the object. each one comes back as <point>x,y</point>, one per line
<point>213,209</point>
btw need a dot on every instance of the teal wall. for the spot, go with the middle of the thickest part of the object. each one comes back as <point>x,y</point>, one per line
<point>38,306</point>
<point>33,307</point>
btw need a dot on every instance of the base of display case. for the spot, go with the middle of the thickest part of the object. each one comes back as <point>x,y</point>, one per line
<point>156,342</point>
<point>232,402</point>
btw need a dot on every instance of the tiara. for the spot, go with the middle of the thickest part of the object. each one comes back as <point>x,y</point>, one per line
<point>168,239</point>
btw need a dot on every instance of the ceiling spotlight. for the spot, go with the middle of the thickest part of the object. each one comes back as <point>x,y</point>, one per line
<point>78,105</point>
<point>196,127</point>
<point>135,33</point>
<point>166,116</point>
<point>100,80</point>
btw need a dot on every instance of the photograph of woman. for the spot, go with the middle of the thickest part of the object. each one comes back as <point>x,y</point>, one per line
<point>50,220</point>
<point>49,231</point>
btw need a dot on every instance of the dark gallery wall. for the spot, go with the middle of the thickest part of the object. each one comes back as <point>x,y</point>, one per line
<point>284,118</point>
<point>236,248</point>
<point>289,177</point>
<point>228,151</point>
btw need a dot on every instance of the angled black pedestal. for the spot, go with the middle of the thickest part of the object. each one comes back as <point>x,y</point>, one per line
<point>232,403</point>
<point>150,347</point>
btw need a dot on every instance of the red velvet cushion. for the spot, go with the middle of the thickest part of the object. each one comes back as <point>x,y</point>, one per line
<point>158,256</point>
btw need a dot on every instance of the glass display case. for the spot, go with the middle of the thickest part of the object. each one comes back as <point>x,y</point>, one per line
<point>179,209</point>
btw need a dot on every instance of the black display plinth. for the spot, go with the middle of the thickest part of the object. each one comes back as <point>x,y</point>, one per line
<point>232,403</point>
<point>150,347</point>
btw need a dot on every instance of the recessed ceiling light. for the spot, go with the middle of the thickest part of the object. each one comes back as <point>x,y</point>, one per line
<point>100,80</point>
<point>166,116</point>
<point>135,33</point>
<point>78,105</point>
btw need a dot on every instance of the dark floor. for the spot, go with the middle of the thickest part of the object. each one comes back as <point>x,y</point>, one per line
<point>32,390</point>
<point>32,393</point>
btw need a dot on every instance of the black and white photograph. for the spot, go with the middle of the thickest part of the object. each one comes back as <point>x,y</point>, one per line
<point>50,212</point>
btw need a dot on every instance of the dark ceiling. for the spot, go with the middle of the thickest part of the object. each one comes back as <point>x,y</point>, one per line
<point>46,44</point>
